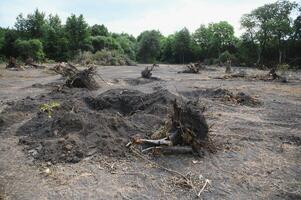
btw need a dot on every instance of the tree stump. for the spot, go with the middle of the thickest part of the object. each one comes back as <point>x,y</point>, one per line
<point>147,72</point>
<point>83,79</point>
<point>12,63</point>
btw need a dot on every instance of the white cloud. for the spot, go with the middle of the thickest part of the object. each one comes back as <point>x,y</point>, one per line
<point>186,13</point>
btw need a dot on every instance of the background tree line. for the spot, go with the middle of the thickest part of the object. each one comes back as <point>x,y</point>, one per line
<point>272,36</point>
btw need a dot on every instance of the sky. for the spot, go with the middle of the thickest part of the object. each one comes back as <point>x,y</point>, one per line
<point>135,16</point>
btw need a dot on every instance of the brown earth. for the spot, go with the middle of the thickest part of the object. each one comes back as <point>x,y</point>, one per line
<point>79,153</point>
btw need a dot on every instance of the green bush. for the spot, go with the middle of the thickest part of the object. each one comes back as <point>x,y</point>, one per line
<point>104,57</point>
<point>30,49</point>
<point>103,42</point>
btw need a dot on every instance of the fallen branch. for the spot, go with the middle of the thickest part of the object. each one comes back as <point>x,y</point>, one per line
<point>207,181</point>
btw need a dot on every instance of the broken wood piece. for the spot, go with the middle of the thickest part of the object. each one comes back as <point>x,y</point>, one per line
<point>207,181</point>
<point>170,149</point>
<point>163,141</point>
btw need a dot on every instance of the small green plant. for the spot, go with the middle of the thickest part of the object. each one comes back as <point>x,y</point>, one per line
<point>49,108</point>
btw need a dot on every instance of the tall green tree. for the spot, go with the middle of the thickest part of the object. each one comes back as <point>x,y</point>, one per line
<point>267,23</point>
<point>182,46</point>
<point>77,33</point>
<point>8,47</point>
<point>214,39</point>
<point>55,40</point>
<point>99,30</point>
<point>282,24</point>
<point>167,49</point>
<point>149,46</point>
<point>33,26</point>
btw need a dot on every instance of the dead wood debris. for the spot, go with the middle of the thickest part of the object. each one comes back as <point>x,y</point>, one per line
<point>65,69</point>
<point>147,72</point>
<point>83,79</point>
<point>77,78</point>
<point>30,62</point>
<point>270,76</point>
<point>193,68</point>
<point>185,132</point>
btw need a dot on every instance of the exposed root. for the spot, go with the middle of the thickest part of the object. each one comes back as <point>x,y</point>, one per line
<point>193,68</point>
<point>83,79</point>
<point>187,127</point>
<point>65,69</point>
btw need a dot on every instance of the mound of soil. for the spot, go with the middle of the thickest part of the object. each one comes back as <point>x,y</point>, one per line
<point>85,125</point>
<point>224,95</point>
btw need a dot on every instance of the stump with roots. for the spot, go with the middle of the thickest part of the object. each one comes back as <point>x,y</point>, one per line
<point>147,72</point>
<point>186,131</point>
<point>83,79</point>
<point>30,62</point>
<point>12,64</point>
<point>272,75</point>
<point>65,69</point>
<point>193,68</point>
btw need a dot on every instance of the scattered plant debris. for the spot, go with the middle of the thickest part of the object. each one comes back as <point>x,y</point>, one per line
<point>224,95</point>
<point>193,68</point>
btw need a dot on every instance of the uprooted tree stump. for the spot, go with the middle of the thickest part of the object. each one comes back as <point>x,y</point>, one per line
<point>272,75</point>
<point>30,62</point>
<point>193,68</point>
<point>65,69</point>
<point>147,72</point>
<point>185,132</point>
<point>83,79</point>
<point>12,64</point>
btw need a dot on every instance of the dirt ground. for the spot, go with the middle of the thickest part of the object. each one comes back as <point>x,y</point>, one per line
<point>257,156</point>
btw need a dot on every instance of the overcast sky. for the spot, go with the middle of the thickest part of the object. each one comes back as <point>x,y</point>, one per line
<point>135,16</point>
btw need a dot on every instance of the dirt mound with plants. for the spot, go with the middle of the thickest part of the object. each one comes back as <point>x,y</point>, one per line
<point>224,95</point>
<point>71,124</point>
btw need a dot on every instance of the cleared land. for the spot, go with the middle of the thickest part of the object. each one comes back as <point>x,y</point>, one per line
<point>256,153</point>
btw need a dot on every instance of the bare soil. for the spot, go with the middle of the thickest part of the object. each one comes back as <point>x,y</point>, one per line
<point>80,153</point>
